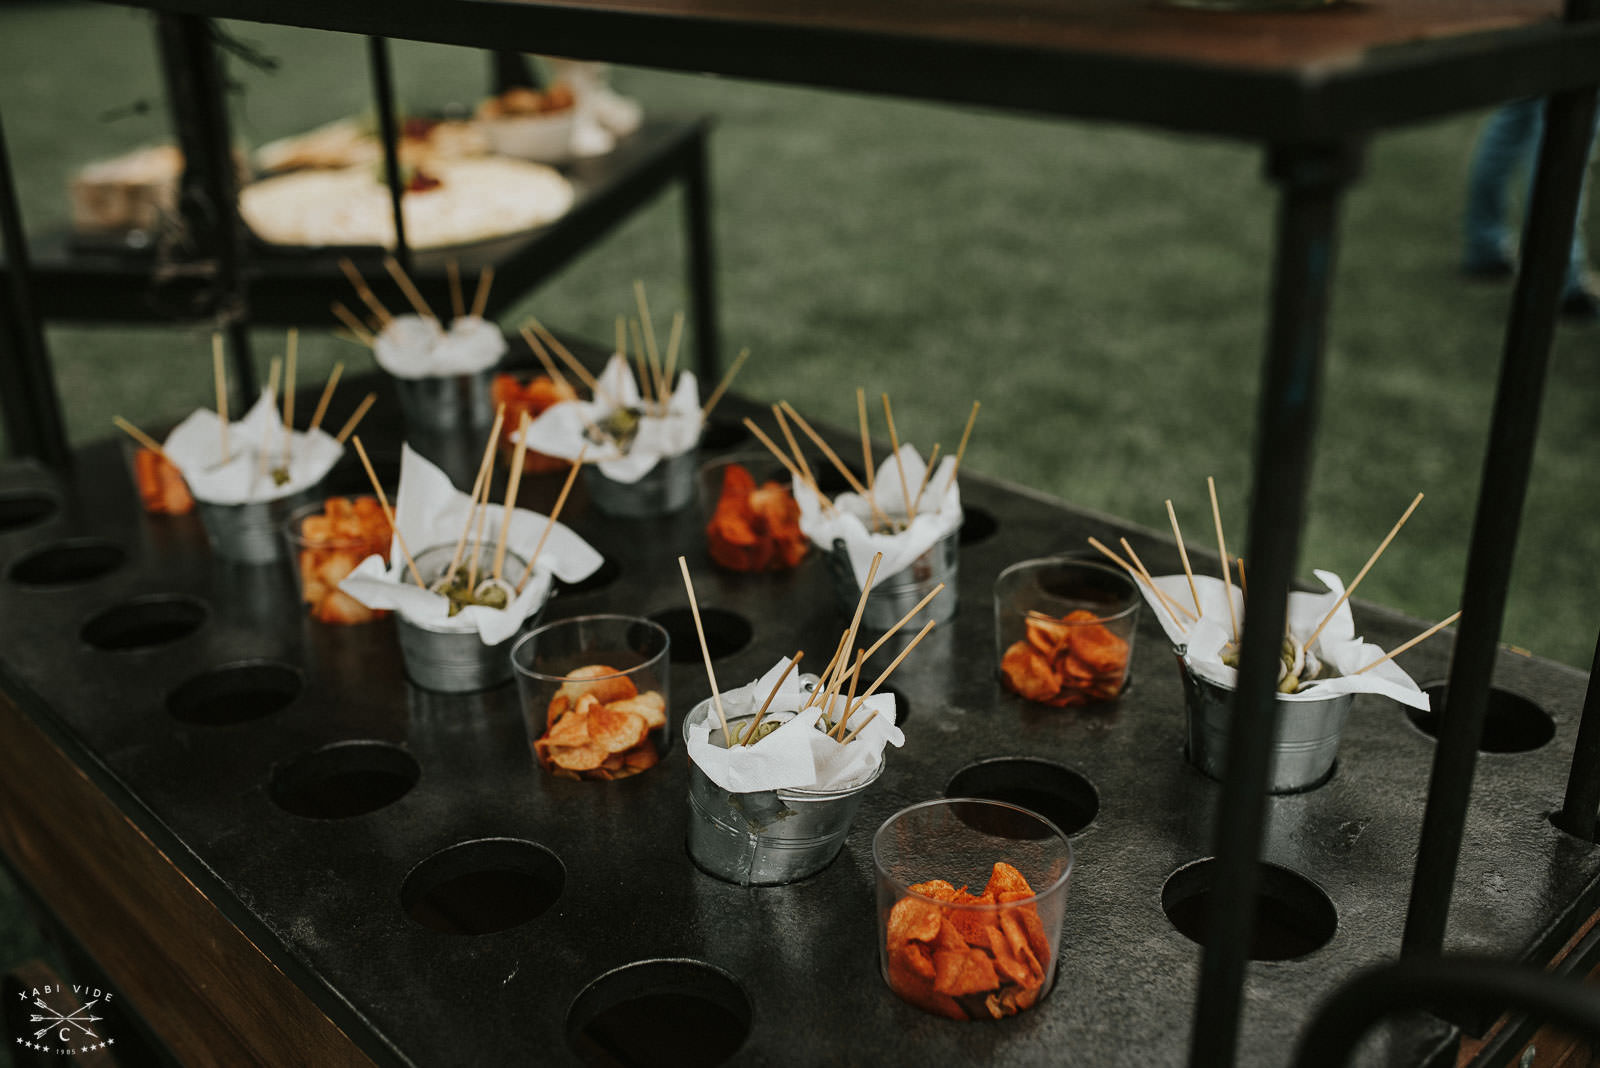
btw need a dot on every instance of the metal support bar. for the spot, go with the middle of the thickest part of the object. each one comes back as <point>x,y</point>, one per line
<point>702,262</point>
<point>511,70</point>
<point>1344,1019</point>
<point>28,394</point>
<point>1546,242</point>
<point>383,94</point>
<point>208,197</point>
<point>1312,179</point>
<point>1578,811</point>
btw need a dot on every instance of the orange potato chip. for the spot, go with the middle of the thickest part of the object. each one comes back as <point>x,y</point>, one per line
<point>603,681</point>
<point>649,705</point>
<point>1006,962</point>
<point>963,971</point>
<point>913,919</point>
<point>1029,673</point>
<point>571,729</point>
<point>910,984</point>
<point>919,959</point>
<point>643,756</point>
<point>1005,879</point>
<point>577,757</point>
<point>615,731</point>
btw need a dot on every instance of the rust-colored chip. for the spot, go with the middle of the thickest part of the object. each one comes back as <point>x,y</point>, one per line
<point>616,731</point>
<point>650,705</point>
<point>913,919</point>
<point>1029,673</point>
<point>578,757</point>
<point>963,971</point>
<point>603,681</point>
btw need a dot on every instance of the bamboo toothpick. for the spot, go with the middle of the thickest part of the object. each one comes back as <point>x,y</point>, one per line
<point>567,357</point>
<point>921,634</point>
<point>1348,590</point>
<point>368,297</point>
<point>705,650</point>
<point>353,324</point>
<point>388,513</point>
<point>647,382</point>
<point>1133,573</point>
<point>772,447</point>
<point>866,439</point>
<point>403,280</point>
<point>1244,584</point>
<point>821,688</point>
<point>927,473</point>
<point>855,678</point>
<point>291,349</point>
<point>838,464</point>
<point>458,307</point>
<point>139,435</point>
<point>794,447</point>
<point>544,360</point>
<point>750,732</point>
<point>517,456</point>
<point>327,396</point>
<point>1150,581</point>
<point>555,513</point>
<point>647,326</point>
<point>485,465</point>
<point>219,372</point>
<point>919,606</point>
<point>1430,632</point>
<point>894,443</point>
<point>722,387</point>
<point>480,296</point>
<point>855,620</point>
<point>863,725</point>
<point>264,453</point>
<point>1183,554</point>
<point>1222,549</point>
<point>355,418</point>
<point>966,434</point>
<point>674,339</point>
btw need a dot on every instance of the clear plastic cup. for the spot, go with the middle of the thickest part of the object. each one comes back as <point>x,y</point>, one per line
<point>971,894</point>
<point>1064,629</point>
<point>326,542</point>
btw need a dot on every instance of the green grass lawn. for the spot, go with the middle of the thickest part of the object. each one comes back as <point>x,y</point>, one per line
<point>1101,290</point>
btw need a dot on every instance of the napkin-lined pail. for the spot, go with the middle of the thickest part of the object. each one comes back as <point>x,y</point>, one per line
<point>667,487</point>
<point>447,402</point>
<point>252,532</point>
<point>894,595</point>
<point>455,659</point>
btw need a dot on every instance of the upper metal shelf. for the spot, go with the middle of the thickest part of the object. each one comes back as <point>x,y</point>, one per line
<point>1328,73</point>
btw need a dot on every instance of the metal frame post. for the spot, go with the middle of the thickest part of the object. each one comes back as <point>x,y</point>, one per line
<point>1578,810</point>
<point>383,99</point>
<point>1312,180</point>
<point>702,261</point>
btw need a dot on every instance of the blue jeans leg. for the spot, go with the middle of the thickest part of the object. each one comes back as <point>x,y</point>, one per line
<point>1506,145</point>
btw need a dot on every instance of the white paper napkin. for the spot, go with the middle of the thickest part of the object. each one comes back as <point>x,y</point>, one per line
<point>429,511</point>
<point>411,346</point>
<point>796,755</point>
<point>195,447</point>
<point>559,430</point>
<point>1337,646</point>
<point>938,515</point>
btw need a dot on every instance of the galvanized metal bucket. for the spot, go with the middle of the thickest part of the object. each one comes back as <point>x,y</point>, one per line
<point>252,532</point>
<point>447,402</point>
<point>767,838</point>
<point>894,595</point>
<point>667,487</point>
<point>1305,734</point>
<point>451,660</point>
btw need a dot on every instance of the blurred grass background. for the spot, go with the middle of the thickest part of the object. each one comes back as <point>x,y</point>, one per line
<point>1101,289</point>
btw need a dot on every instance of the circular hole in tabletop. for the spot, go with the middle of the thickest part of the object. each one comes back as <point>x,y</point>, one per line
<point>1511,723</point>
<point>483,886</point>
<point>344,779</point>
<point>722,434</point>
<point>235,693</point>
<point>81,560</point>
<point>145,622</point>
<point>659,1012</point>
<point>1293,916</point>
<point>1057,793</point>
<point>607,573</point>
<point>24,509</point>
<point>726,633</point>
<point>977,524</point>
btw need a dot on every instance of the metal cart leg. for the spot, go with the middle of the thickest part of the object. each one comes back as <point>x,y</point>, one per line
<point>27,384</point>
<point>1578,811</point>
<point>383,98</point>
<point>1545,245</point>
<point>1312,180</point>
<point>702,265</point>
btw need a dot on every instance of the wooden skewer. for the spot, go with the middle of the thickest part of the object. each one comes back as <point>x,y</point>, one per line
<point>705,651</point>
<point>855,622</point>
<point>772,447</point>
<point>1348,590</point>
<point>649,330</point>
<point>919,606</point>
<point>139,435</point>
<point>368,297</point>
<point>863,725</point>
<point>830,694</point>
<point>794,446</point>
<point>750,732</point>
<point>567,357</point>
<point>1244,586</point>
<point>355,418</point>
<point>866,439</point>
<point>388,513</point>
<point>839,465</point>
<point>961,451</point>
<point>1151,582</point>
<point>674,339</point>
<point>264,453</point>
<point>355,325</point>
<point>927,473</point>
<point>894,443</point>
<point>722,387</point>
<point>291,349</point>
<point>349,338</point>
<point>480,296</point>
<point>855,677</point>
<point>921,634</point>
<point>327,396</point>
<point>403,280</point>
<point>561,499</point>
<point>545,361</point>
<point>485,465</point>
<point>1430,632</point>
<point>1222,549</point>
<point>647,383</point>
<point>219,372</point>
<point>476,553</point>
<point>1183,554</point>
<point>458,307</point>
<point>821,687</point>
<point>517,456</point>
<point>1133,573</point>
<point>621,349</point>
